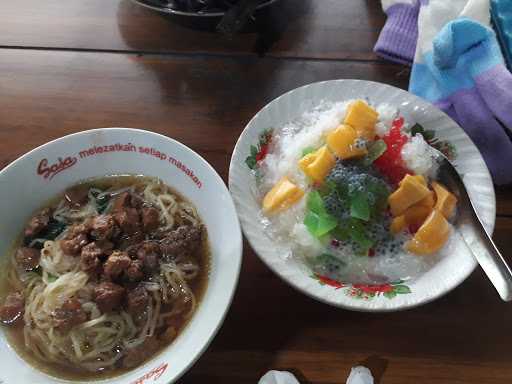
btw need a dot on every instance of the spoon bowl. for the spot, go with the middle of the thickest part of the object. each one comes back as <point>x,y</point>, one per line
<point>470,226</point>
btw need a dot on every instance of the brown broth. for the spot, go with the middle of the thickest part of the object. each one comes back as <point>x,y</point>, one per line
<point>14,334</point>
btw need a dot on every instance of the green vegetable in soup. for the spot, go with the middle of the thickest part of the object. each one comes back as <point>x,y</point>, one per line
<point>101,202</point>
<point>52,278</point>
<point>54,229</point>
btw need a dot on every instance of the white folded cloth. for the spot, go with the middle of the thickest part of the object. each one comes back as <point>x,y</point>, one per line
<point>358,375</point>
<point>278,377</point>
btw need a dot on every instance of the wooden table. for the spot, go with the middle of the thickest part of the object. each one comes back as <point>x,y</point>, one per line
<point>67,66</point>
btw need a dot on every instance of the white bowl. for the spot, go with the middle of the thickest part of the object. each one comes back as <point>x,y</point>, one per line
<point>444,275</point>
<point>33,179</point>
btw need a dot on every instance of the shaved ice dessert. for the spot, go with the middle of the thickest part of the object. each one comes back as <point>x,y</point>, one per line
<point>350,188</point>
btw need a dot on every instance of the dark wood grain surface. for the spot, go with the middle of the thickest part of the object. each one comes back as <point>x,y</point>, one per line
<point>327,29</point>
<point>68,66</point>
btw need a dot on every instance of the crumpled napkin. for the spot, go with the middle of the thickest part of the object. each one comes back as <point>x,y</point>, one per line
<point>358,375</point>
<point>278,377</point>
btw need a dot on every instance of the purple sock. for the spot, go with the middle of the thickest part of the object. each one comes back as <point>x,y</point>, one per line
<point>495,86</point>
<point>479,122</point>
<point>397,40</point>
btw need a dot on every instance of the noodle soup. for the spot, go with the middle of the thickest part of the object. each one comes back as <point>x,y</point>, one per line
<point>104,277</point>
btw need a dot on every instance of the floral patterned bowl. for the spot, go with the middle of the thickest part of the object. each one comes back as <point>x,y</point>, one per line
<point>441,132</point>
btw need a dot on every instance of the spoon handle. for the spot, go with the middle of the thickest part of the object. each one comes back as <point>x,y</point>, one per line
<point>487,255</point>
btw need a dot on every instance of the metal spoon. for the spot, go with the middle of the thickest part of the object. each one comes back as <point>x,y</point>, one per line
<point>473,232</point>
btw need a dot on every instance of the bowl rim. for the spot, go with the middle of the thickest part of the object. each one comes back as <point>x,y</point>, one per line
<point>171,11</point>
<point>237,237</point>
<point>291,281</point>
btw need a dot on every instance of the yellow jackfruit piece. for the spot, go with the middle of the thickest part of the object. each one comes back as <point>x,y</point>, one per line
<point>445,200</point>
<point>411,191</point>
<point>429,201</point>
<point>413,216</point>
<point>398,224</point>
<point>416,215</point>
<point>342,141</point>
<point>362,118</point>
<point>282,196</point>
<point>431,236</point>
<point>306,161</point>
<point>318,164</point>
<point>420,178</point>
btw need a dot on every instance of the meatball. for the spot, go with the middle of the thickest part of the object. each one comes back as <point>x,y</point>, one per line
<point>136,201</point>
<point>134,272</point>
<point>69,315</point>
<point>74,245</point>
<point>38,223</point>
<point>103,227</point>
<point>117,263</point>
<point>79,229</point>
<point>91,253</point>
<point>130,242</point>
<point>149,254</point>
<point>108,296</point>
<point>181,242</point>
<point>28,258</point>
<point>123,200</point>
<point>76,238</point>
<point>150,219</point>
<point>128,220</point>
<point>137,301</point>
<point>11,311</point>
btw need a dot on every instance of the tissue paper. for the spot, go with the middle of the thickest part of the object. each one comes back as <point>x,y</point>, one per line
<point>278,377</point>
<point>360,375</point>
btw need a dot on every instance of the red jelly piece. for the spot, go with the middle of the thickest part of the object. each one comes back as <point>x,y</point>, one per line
<point>390,163</point>
<point>262,153</point>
